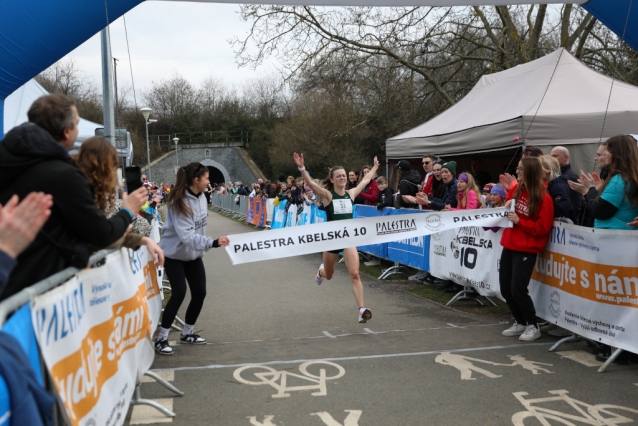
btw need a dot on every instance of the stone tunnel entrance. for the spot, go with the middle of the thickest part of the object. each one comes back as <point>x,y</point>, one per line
<point>215,175</point>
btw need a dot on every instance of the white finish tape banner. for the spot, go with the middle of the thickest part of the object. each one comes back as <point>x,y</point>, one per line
<point>94,332</point>
<point>316,238</point>
<point>586,281</point>
<point>468,256</point>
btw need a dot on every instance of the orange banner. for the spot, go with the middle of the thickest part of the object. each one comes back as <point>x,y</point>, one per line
<point>614,285</point>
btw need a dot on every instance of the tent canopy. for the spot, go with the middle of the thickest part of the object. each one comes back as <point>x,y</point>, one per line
<point>19,102</point>
<point>34,34</point>
<point>554,100</point>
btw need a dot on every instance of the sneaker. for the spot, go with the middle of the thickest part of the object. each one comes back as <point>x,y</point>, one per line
<point>532,332</point>
<point>364,315</point>
<point>515,330</point>
<point>318,277</point>
<point>162,347</point>
<point>192,339</point>
<point>559,332</point>
<point>373,262</point>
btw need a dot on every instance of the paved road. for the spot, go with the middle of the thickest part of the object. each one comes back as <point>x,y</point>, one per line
<point>272,331</point>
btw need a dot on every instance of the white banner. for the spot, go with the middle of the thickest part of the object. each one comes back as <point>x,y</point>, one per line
<point>586,281</point>
<point>316,238</point>
<point>468,256</point>
<point>94,333</point>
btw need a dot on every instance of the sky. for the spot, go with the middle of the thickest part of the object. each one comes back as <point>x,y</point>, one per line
<point>168,38</point>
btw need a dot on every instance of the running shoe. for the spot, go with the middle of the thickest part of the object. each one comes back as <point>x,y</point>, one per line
<point>318,277</point>
<point>364,315</point>
<point>532,332</point>
<point>515,330</point>
<point>192,339</point>
<point>162,347</point>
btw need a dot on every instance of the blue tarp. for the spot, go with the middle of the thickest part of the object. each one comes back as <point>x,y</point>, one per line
<point>613,13</point>
<point>379,250</point>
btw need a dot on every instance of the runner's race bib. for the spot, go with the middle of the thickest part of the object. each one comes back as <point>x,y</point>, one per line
<point>342,206</point>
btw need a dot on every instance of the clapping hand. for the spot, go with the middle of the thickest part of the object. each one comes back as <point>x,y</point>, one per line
<point>506,180</point>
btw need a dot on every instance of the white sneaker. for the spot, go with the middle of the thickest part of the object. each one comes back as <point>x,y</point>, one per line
<point>532,332</point>
<point>318,277</point>
<point>373,262</point>
<point>515,330</point>
<point>364,315</point>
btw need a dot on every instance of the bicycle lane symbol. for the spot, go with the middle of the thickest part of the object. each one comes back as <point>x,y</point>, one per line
<point>279,379</point>
<point>596,415</point>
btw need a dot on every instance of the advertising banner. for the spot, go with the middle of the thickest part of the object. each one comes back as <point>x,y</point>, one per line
<point>258,210</point>
<point>145,273</point>
<point>468,256</point>
<point>586,281</point>
<point>413,251</point>
<point>319,237</point>
<point>94,333</point>
<point>279,215</point>
<point>379,250</point>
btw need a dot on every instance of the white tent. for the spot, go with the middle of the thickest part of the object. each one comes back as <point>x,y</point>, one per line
<point>554,100</point>
<point>18,103</point>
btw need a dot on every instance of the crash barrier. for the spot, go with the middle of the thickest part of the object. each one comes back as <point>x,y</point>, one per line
<point>92,331</point>
<point>230,205</point>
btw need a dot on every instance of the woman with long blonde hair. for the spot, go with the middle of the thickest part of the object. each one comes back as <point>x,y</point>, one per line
<point>467,195</point>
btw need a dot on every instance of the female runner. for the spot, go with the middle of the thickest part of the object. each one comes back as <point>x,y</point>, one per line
<point>332,197</point>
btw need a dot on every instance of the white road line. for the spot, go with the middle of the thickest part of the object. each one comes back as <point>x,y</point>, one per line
<point>355,358</point>
<point>168,375</point>
<point>144,414</point>
<point>450,326</point>
<point>367,330</point>
<point>582,357</point>
<point>329,335</point>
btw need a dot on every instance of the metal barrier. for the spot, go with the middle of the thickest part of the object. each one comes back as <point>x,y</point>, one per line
<point>16,301</point>
<point>226,205</point>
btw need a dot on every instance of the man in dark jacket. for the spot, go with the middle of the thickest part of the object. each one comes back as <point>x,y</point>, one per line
<point>34,158</point>
<point>409,183</point>
<point>562,155</point>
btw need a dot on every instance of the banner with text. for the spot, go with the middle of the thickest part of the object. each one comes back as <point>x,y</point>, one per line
<point>316,238</point>
<point>468,256</point>
<point>94,332</point>
<point>586,281</point>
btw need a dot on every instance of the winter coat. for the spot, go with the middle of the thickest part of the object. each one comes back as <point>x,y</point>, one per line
<point>409,185</point>
<point>31,160</point>
<point>370,193</point>
<point>449,197</point>
<point>560,192</point>
<point>472,201</point>
<point>530,234</point>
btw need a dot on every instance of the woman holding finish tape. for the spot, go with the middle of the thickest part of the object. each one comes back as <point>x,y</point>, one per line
<point>184,242</point>
<point>339,203</point>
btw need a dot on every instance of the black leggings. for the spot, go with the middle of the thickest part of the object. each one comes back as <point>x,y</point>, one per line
<point>514,274</point>
<point>178,272</point>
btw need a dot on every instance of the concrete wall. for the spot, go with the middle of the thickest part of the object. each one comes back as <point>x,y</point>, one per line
<point>223,157</point>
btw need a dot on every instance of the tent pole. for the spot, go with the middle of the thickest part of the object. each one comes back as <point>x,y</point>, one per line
<point>386,169</point>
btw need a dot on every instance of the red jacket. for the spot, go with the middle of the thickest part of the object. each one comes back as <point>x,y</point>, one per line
<point>530,235</point>
<point>370,193</point>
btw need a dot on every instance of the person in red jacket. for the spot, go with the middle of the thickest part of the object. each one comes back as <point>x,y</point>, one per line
<point>533,221</point>
<point>371,192</point>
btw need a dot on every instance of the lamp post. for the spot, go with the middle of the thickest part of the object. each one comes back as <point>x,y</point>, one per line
<point>176,141</point>
<point>146,111</point>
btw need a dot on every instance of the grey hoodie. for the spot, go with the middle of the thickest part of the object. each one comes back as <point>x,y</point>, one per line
<point>184,237</point>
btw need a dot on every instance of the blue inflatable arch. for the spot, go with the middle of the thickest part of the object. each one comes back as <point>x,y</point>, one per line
<point>34,34</point>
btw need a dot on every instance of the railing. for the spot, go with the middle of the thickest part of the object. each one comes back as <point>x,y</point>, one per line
<point>165,142</point>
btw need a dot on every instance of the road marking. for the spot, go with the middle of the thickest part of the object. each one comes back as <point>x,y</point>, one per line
<point>452,325</point>
<point>582,357</point>
<point>267,421</point>
<point>465,366</point>
<point>145,414</point>
<point>168,375</point>
<point>351,420</point>
<point>354,358</point>
<point>329,335</point>
<point>367,330</point>
<point>532,366</point>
